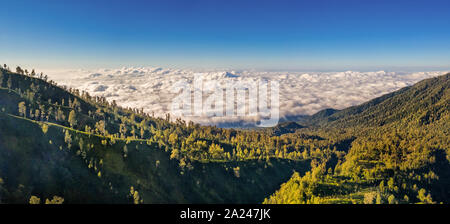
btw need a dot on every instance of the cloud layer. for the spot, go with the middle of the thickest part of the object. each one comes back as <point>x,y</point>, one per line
<point>300,93</point>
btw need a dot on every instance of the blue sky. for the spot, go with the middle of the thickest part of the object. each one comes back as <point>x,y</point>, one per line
<point>278,35</point>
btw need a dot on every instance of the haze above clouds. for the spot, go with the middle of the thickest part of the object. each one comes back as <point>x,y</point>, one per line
<point>300,93</point>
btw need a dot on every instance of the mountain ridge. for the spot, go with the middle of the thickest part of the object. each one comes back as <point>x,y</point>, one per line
<point>330,117</point>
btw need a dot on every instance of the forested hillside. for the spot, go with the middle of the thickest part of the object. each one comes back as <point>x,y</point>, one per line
<point>423,103</point>
<point>399,152</point>
<point>60,145</point>
<point>82,149</point>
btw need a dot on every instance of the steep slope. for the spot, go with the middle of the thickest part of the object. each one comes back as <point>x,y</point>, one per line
<point>59,143</point>
<point>284,128</point>
<point>38,163</point>
<point>399,152</point>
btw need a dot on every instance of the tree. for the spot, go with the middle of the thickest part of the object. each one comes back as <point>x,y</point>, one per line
<point>1,78</point>
<point>135,195</point>
<point>370,197</point>
<point>60,115</point>
<point>406,198</point>
<point>22,109</point>
<point>55,200</point>
<point>423,197</point>
<point>123,130</point>
<point>68,139</point>
<point>133,131</point>
<point>379,199</point>
<point>34,200</point>
<point>173,138</point>
<point>72,119</point>
<point>382,188</point>
<point>9,83</point>
<point>175,154</point>
<point>215,151</point>
<point>44,128</point>
<point>391,199</point>
<point>391,184</point>
<point>19,70</point>
<point>100,126</point>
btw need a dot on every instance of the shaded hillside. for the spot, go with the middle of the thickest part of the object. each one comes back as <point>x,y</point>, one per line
<point>319,117</point>
<point>38,163</point>
<point>284,128</point>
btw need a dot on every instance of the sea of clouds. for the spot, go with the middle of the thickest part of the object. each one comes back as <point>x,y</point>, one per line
<point>300,93</point>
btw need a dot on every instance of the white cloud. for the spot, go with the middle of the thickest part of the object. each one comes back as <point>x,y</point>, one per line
<point>300,93</point>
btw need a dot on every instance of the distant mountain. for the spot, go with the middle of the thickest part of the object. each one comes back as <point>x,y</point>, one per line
<point>285,128</point>
<point>318,117</point>
<point>423,102</point>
